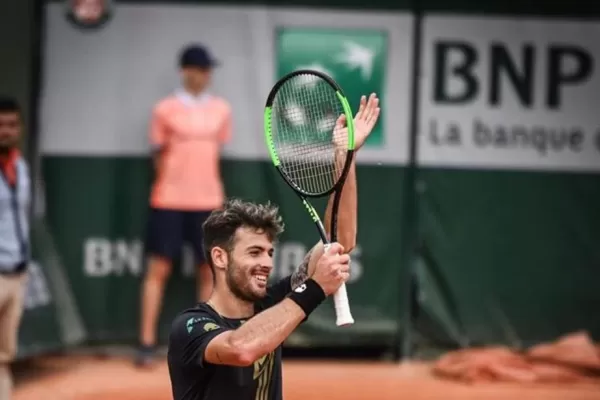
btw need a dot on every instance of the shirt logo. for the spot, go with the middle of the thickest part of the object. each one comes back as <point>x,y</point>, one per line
<point>189,324</point>
<point>260,365</point>
<point>210,326</point>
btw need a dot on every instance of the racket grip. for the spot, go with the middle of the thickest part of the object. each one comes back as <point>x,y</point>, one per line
<point>342,307</point>
<point>343,315</point>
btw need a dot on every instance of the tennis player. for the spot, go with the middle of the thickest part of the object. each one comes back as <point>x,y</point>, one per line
<point>230,346</point>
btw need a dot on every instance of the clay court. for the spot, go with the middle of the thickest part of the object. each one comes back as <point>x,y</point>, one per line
<point>115,378</point>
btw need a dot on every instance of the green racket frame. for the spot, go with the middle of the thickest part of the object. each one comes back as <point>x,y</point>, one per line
<point>349,156</point>
<point>340,298</point>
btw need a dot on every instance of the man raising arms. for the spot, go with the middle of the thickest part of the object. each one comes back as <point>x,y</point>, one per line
<point>230,346</point>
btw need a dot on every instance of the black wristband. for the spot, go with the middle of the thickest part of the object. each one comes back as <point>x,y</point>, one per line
<point>308,296</point>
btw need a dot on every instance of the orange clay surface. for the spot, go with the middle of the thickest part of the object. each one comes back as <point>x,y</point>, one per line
<point>93,378</point>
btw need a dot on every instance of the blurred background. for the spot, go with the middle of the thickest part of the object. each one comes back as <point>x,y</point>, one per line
<point>479,191</point>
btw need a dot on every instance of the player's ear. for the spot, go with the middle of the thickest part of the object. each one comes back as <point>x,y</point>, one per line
<point>219,257</point>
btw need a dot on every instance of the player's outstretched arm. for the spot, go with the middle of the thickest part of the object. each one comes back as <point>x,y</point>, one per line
<point>258,336</point>
<point>265,331</point>
<point>364,122</point>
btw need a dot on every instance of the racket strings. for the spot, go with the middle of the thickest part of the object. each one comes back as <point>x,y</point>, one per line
<point>305,135</point>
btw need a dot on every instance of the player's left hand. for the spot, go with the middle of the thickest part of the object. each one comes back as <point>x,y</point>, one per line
<point>364,120</point>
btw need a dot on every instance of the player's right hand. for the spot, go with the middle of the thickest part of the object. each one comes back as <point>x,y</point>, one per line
<point>332,269</point>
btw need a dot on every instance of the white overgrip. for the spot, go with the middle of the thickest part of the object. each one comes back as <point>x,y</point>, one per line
<point>341,303</point>
<point>342,307</point>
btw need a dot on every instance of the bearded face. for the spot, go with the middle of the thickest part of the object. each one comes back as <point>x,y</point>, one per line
<point>249,264</point>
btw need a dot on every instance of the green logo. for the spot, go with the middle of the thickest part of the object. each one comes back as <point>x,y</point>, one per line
<point>354,58</point>
<point>190,324</point>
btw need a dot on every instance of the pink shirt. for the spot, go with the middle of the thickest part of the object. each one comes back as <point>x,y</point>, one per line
<point>189,132</point>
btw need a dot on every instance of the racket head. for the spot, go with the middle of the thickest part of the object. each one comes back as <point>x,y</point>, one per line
<point>302,134</point>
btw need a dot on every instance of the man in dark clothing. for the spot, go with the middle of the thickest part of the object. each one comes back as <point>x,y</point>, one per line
<point>230,346</point>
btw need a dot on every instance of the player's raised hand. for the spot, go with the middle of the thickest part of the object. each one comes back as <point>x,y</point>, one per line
<point>365,119</point>
<point>332,269</point>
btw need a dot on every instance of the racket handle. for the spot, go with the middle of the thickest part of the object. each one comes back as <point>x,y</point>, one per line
<point>340,301</point>
<point>342,307</point>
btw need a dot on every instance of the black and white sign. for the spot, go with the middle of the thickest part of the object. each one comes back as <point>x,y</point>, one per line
<point>510,94</point>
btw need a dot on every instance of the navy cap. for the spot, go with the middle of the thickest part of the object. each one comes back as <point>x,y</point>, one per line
<point>196,56</point>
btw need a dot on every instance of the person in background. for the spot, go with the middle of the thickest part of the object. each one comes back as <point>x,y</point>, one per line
<point>188,129</point>
<point>15,200</point>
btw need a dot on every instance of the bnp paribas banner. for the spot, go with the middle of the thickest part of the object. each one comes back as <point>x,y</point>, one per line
<point>510,93</point>
<point>100,87</point>
<point>509,151</point>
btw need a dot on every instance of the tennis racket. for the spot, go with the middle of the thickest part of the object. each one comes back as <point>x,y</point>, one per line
<point>311,149</point>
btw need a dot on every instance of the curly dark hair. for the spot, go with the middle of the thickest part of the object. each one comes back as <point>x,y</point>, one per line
<point>220,227</point>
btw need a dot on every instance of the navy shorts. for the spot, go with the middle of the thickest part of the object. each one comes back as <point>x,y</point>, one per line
<point>169,230</point>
